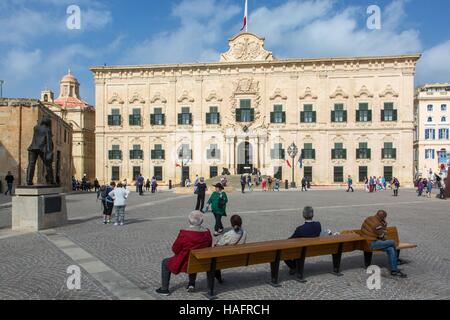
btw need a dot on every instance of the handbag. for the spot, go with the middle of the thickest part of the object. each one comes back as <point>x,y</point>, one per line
<point>221,203</point>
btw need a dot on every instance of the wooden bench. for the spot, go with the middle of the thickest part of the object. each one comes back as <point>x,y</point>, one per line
<point>273,252</point>
<point>392,234</point>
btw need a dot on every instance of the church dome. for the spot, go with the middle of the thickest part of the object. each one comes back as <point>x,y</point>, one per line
<point>69,78</point>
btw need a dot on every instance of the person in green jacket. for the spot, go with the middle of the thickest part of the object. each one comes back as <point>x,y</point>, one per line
<point>218,202</point>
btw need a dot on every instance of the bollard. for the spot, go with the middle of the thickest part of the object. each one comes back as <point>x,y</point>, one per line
<point>286,184</point>
<point>170,184</point>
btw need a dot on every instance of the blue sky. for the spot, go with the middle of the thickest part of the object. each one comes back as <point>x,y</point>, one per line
<point>36,47</point>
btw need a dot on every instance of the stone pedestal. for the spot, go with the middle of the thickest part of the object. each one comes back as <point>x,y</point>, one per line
<point>38,208</point>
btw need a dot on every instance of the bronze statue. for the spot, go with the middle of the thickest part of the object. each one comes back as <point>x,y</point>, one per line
<point>41,146</point>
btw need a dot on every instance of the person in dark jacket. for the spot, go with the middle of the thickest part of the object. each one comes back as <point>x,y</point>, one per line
<point>201,194</point>
<point>9,183</point>
<point>107,201</point>
<point>310,229</point>
<point>243,183</point>
<point>192,238</point>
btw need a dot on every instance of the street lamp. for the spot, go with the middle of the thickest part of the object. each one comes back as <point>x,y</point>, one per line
<point>292,152</point>
<point>1,88</point>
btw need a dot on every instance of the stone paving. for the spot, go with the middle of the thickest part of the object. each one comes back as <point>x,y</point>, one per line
<point>33,267</point>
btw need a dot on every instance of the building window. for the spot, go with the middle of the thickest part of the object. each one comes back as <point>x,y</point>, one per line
<point>430,154</point>
<point>363,114</point>
<point>213,117</point>
<point>278,152</point>
<point>245,113</point>
<point>158,173</point>
<point>157,118</point>
<point>184,153</point>
<point>388,173</point>
<point>278,173</point>
<point>308,153</point>
<point>115,119</point>
<point>363,173</point>
<point>444,119</point>
<point>158,153</point>
<point>338,152</point>
<point>136,153</point>
<point>308,115</point>
<point>430,108</point>
<point>213,152</point>
<point>135,118</point>
<point>308,173</point>
<point>185,117</point>
<point>115,153</point>
<point>278,115</point>
<point>430,119</point>
<point>388,152</point>
<point>115,173</point>
<point>444,107</point>
<point>443,134</point>
<point>338,174</point>
<point>136,172</point>
<point>213,172</point>
<point>339,115</point>
<point>363,152</point>
<point>430,134</point>
<point>389,114</point>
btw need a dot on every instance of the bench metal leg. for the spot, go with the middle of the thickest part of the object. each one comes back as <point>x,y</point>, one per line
<point>301,266</point>
<point>337,261</point>
<point>211,278</point>
<point>274,270</point>
<point>368,259</point>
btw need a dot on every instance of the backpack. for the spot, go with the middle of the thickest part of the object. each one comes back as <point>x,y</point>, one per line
<point>104,192</point>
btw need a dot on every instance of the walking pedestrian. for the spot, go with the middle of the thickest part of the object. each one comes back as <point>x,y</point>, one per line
<point>9,183</point>
<point>147,185</point>
<point>120,197</point>
<point>154,185</point>
<point>442,194</point>
<point>249,183</point>
<point>429,188</point>
<point>107,201</point>
<point>96,186</point>
<point>218,202</point>
<point>396,185</point>
<point>140,184</point>
<point>264,184</point>
<point>350,184</point>
<point>269,183</point>
<point>243,183</point>
<point>304,184</point>
<point>201,194</point>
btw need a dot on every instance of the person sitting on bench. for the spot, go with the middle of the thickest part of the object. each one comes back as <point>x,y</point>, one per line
<point>194,237</point>
<point>311,229</point>
<point>374,229</point>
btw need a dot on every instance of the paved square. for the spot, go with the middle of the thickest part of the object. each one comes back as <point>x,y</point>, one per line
<point>124,263</point>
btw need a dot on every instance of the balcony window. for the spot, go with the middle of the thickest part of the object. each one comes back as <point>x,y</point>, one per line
<point>363,152</point>
<point>389,114</point>
<point>184,153</point>
<point>213,117</point>
<point>339,115</point>
<point>388,152</point>
<point>185,117</point>
<point>278,153</point>
<point>430,134</point>
<point>115,153</point>
<point>135,118</point>
<point>213,152</point>
<point>308,115</point>
<point>245,113</point>
<point>136,153</point>
<point>115,119</point>
<point>157,118</point>
<point>363,114</point>
<point>158,153</point>
<point>443,134</point>
<point>308,153</point>
<point>278,116</point>
<point>338,152</point>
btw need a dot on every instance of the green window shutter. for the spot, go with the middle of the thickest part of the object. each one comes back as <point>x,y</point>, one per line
<point>314,116</point>
<point>272,117</point>
<point>333,154</point>
<point>314,154</point>
<point>252,114</point>
<point>394,153</point>
<point>190,118</point>
<point>345,116</point>
<point>208,118</point>
<point>395,115</point>
<point>130,120</point>
<point>369,153</point>
<point>369,115</point>
<point>344,153</point>
<point>110,120</point>
<point>153,154</point>
<point>284,117</point>
<point>302,116</point>
<point>357,115</point>
<point>110,155</point>
<point>218,118</point>
<point>238,115</point>
<point>152,119</point>
<point>180,118</point>
<point>163,118</point>
<point>382,115</point>
<point>333,116</point>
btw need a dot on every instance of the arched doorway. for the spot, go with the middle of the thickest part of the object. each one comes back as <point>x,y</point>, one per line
<point>245,158</point>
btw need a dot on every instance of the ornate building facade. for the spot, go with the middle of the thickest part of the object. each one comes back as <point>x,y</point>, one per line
<point>81,116</point>
<point>432,141</point>
<point>347,116</point>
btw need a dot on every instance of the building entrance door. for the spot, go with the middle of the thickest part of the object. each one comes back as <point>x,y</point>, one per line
<point>184,175</point>
<point>245,158</point>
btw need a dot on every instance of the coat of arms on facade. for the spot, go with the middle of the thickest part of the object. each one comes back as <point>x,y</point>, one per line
<point>247,88</point>
<point>246,47</point>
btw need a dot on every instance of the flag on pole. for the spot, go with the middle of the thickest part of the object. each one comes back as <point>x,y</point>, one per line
<point>178,165</point>
<point>300,161</point>
<point>288,163</point>
<point>245,26</point>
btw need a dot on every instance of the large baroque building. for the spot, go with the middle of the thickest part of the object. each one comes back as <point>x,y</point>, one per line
<point>348,116</point>
<point>81,116</point>
<point>432,141</point>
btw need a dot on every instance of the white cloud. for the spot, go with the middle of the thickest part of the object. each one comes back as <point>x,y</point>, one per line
<point>201,30</point>
<point>435,64</point>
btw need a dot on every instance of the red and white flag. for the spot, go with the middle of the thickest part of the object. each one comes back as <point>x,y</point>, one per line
<point>288,163</point>
<point>245,26</point>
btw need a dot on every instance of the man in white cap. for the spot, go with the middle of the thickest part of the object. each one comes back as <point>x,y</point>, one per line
<point>192,238</point>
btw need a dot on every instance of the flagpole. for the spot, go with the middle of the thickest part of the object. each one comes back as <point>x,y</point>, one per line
<point>246,14</point>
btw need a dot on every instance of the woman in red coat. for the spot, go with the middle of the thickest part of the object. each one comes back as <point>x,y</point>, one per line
<point>192,238</point>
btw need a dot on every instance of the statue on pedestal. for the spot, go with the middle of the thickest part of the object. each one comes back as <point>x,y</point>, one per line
<point>41,147</point>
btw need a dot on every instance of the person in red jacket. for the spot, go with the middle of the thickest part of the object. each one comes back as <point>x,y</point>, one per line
<point>192,238</point>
